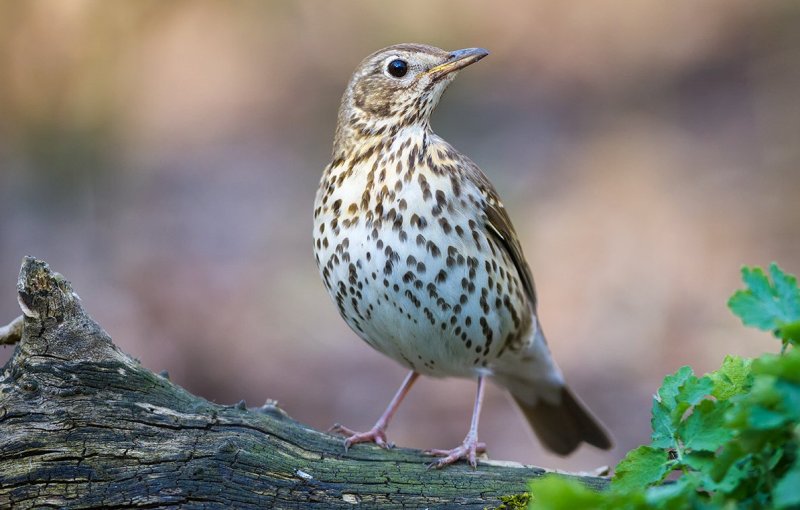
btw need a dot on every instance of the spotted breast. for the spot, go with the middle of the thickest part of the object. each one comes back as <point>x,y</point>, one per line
<point>401,244</point>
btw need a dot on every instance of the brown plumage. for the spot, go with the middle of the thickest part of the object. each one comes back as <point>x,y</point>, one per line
<point>420,256</point>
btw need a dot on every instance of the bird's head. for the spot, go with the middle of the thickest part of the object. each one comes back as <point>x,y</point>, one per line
<point>398,86</point>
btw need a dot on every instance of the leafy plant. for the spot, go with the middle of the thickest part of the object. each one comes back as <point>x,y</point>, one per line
<point>729,439</point>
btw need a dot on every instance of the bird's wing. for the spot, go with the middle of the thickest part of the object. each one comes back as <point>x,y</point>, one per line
<point>497,223</point>
<point>499,226</point>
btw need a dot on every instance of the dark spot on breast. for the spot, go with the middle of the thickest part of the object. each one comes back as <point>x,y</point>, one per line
<point>440,198</point>
<point>446,228</point>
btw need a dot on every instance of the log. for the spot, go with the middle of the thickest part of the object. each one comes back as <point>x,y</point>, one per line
<point>84,425</point>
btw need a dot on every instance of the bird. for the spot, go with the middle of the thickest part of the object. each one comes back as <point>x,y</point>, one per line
<point>420,256</point>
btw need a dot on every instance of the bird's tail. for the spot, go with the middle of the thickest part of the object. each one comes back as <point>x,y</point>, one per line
<point>559,418</point>
<point>562,427</point>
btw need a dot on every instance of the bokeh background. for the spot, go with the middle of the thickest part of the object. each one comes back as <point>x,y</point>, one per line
<point>165,155</point>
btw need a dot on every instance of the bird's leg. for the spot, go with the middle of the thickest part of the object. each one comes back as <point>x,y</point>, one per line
<point>470,447</point>
<point>377,434</point>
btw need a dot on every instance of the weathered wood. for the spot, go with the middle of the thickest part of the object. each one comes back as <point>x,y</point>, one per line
<point>83,425</point>
<point>12,333</point>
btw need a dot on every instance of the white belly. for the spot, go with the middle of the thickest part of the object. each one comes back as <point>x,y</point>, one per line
<point>411,287</point>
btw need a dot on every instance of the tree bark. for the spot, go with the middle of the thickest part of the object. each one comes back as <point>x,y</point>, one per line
<point>83,425</point>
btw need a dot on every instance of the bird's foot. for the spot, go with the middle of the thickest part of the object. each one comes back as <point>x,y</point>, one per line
<point>375,435</point>
<point>468,450</point>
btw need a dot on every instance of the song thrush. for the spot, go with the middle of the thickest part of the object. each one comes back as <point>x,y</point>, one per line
<point>419,254</point>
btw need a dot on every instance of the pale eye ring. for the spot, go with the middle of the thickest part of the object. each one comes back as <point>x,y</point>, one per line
<point>397,68</point>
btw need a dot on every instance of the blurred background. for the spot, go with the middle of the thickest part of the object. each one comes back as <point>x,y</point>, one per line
<point>164,156</point>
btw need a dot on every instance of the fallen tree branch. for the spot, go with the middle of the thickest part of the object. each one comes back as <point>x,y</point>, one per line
<point>83,425</point>
<point>12,333</point>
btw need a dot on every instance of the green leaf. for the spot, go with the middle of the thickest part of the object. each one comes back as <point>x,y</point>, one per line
<point>700,460</point>
<point>664,429</point>
<point>695,389</point>
<point>767,305</point>
<point>775,458</point>
<point>683,389</point>
<point>678,393</point>
<point>704,428</point>
<point>766,419</point>
<point>787,490</point>
<point>671,386</point>
<point>732,378</point>
<point>674,495</point>
<point>763,395</point>
<point>790,399</point>
<point>641,467</point>
<point>557,493</point>
<point>786,285</point>
<point>726,459</point>
<point>790,332</point>
<point>732,435</point>
<point>665,414</point>
<point>786,366</point>
<point>739,472</point>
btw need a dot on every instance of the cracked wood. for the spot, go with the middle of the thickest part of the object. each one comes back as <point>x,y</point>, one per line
<point>83,425</point>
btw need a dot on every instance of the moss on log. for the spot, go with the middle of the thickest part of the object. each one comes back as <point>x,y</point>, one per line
<point>83,425</point>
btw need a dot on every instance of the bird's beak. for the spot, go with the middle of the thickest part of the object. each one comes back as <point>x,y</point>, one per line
<point>458,59</point>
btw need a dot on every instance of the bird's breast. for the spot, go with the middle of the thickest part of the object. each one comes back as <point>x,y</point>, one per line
<point>399,242</point>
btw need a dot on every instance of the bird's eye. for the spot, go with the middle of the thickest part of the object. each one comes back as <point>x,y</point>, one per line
<point>398,68</point>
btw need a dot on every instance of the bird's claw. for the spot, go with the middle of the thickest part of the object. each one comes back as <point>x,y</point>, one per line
<point>375,435</point>
<point>468,450</point>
